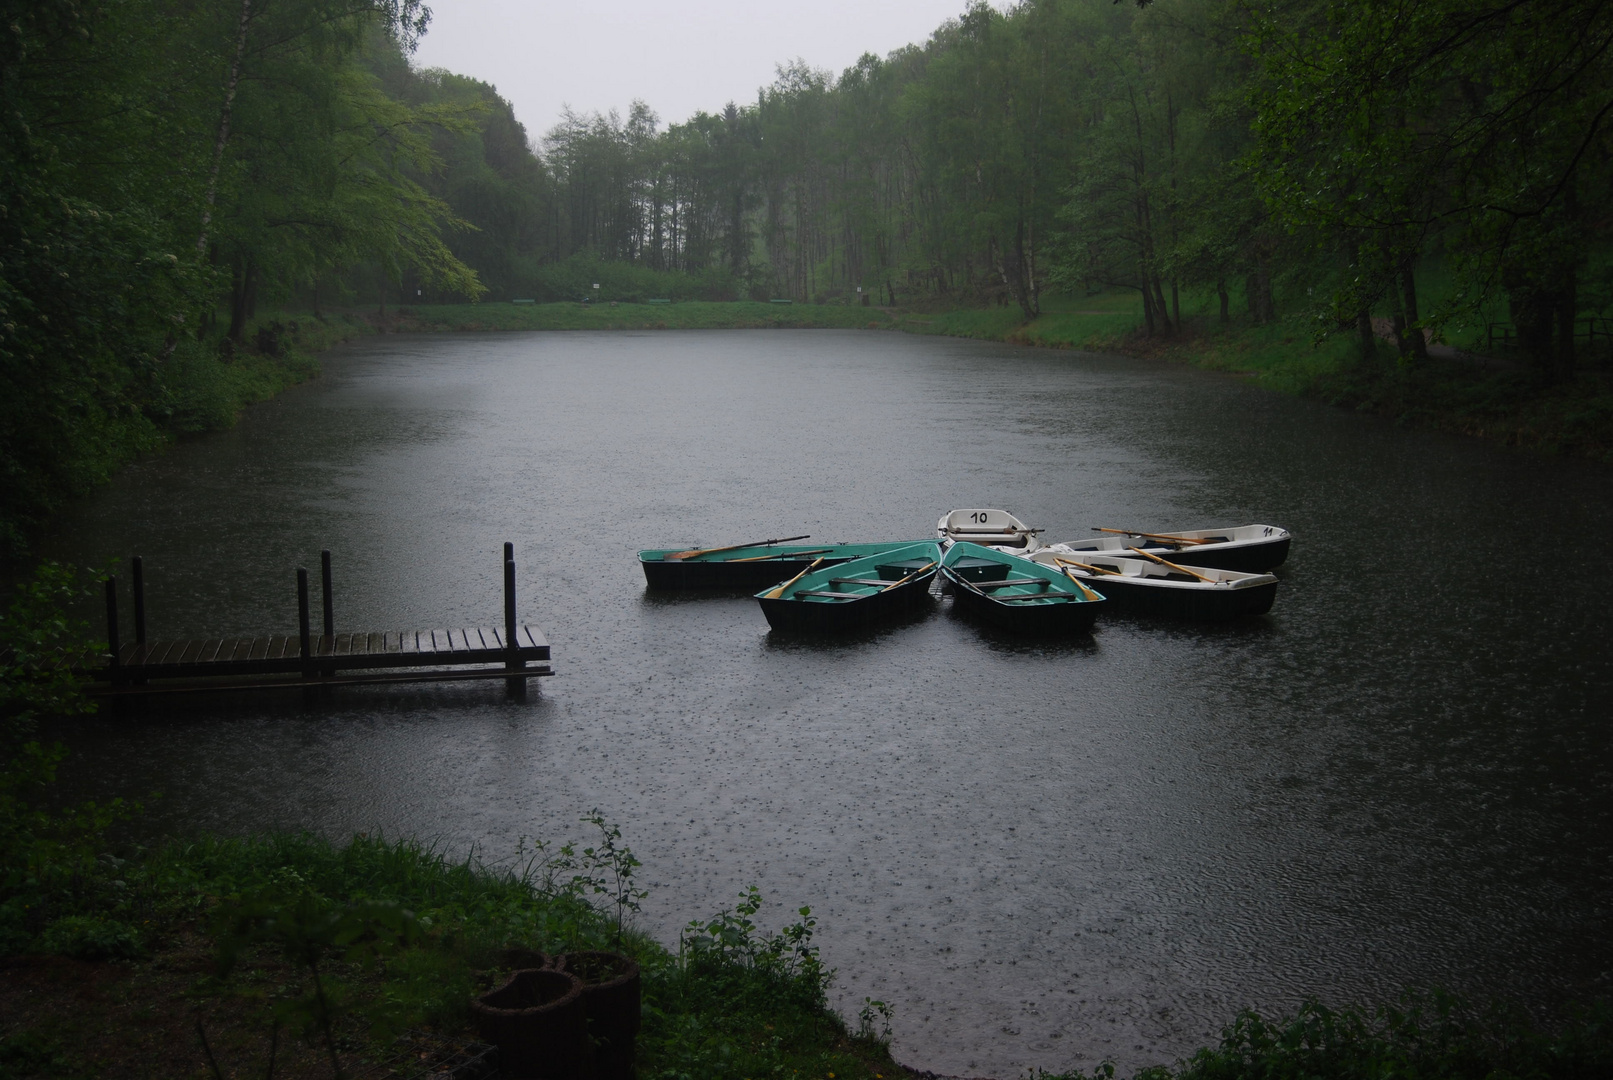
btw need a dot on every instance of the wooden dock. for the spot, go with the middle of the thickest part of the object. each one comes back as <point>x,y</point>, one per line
<point>515,653</point>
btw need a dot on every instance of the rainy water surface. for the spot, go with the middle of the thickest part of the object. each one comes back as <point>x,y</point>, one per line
<point>1042,853</point>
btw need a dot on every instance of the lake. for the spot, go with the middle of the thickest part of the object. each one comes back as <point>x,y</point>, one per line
<point>1041,853</point>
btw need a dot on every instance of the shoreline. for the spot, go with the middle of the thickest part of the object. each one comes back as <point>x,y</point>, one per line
<point>1455,391</point>
<point>1448,393</point>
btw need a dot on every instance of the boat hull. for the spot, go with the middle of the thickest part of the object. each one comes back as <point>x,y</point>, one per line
<point>1254,557</point>
<point>1067,609</point>
<point>795,617</point>
<point>1144,587</point>
<point>1064,617</point>
<point>1207,604</point>
<point>790,613</point>
<point>730,573</point>
<point>1249,549</point>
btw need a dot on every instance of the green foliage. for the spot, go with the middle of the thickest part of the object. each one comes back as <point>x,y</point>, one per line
<point>313,932</point>
<point>49,867</point>
<point>50,875</point>
<point>1395,131</point>
<point>730,945</point>
<point>154,159</point>
<point>39,645</point>
<point>874,1021</point>
<point>574,279</point>
<point>605,869</point>
<point>91,937</point>
<point>28,1053</point>
<point>737,1002</point>
<point>1426,1037</point>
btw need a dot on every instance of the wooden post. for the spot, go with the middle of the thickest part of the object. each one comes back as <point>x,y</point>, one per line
<point>329,647</point>
<point>509,614</point>
<point>330,608</point>
<point>302,623</point>
<point>112,642</point>
<point>513,663</point>
<point>139,601</point>
<point>140,613</point>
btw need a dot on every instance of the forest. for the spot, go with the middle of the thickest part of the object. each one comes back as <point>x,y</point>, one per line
<point>170,170</point>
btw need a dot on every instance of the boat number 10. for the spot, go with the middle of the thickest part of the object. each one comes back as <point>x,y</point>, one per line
<point>979,517</point>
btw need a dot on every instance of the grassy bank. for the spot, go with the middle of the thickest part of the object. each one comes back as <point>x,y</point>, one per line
<point>289,955</point>
<point>1487,397</point>
<point>685,315</point>
<point>364,956</point>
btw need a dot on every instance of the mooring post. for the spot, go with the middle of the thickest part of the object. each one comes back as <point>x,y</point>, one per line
<point>302,623</point>
<point>512,647</point>
<point>510,643</point>
<point>139,601</point>
<point>112,643</point>
<point>139,614</point>
<point>328,646</point>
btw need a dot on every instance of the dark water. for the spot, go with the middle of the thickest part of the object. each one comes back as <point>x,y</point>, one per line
<point>1040,853</point>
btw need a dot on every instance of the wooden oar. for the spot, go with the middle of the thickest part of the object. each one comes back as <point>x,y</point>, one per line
<point>778,592</point>
<point>1086,590</point>
<point>1169,539</point>
<point>781,555</point>
<point>1173,566</point>
<point>914,574</point>
<point>691,553</point>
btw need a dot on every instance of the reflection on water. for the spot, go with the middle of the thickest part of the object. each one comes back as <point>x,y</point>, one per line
<point>1042,853</point>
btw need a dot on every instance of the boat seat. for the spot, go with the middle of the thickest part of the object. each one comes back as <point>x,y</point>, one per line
<point>834,595</point>
<point>880,582</point>
<point>1043,582</point>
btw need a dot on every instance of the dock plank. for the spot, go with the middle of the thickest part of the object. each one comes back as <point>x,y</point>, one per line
<point>276,660</point>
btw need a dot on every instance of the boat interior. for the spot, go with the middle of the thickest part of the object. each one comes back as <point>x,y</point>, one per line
<point>1099,566</point>
<point>997,528</point>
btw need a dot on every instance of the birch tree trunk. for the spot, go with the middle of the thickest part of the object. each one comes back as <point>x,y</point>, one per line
<point>224,116</point>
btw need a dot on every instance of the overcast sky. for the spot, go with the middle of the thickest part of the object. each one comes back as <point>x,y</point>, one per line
<point>678,57</point>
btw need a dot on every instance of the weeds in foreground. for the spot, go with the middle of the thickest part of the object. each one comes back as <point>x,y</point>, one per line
<point>605,869</point>
<point>1423,1036</point>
